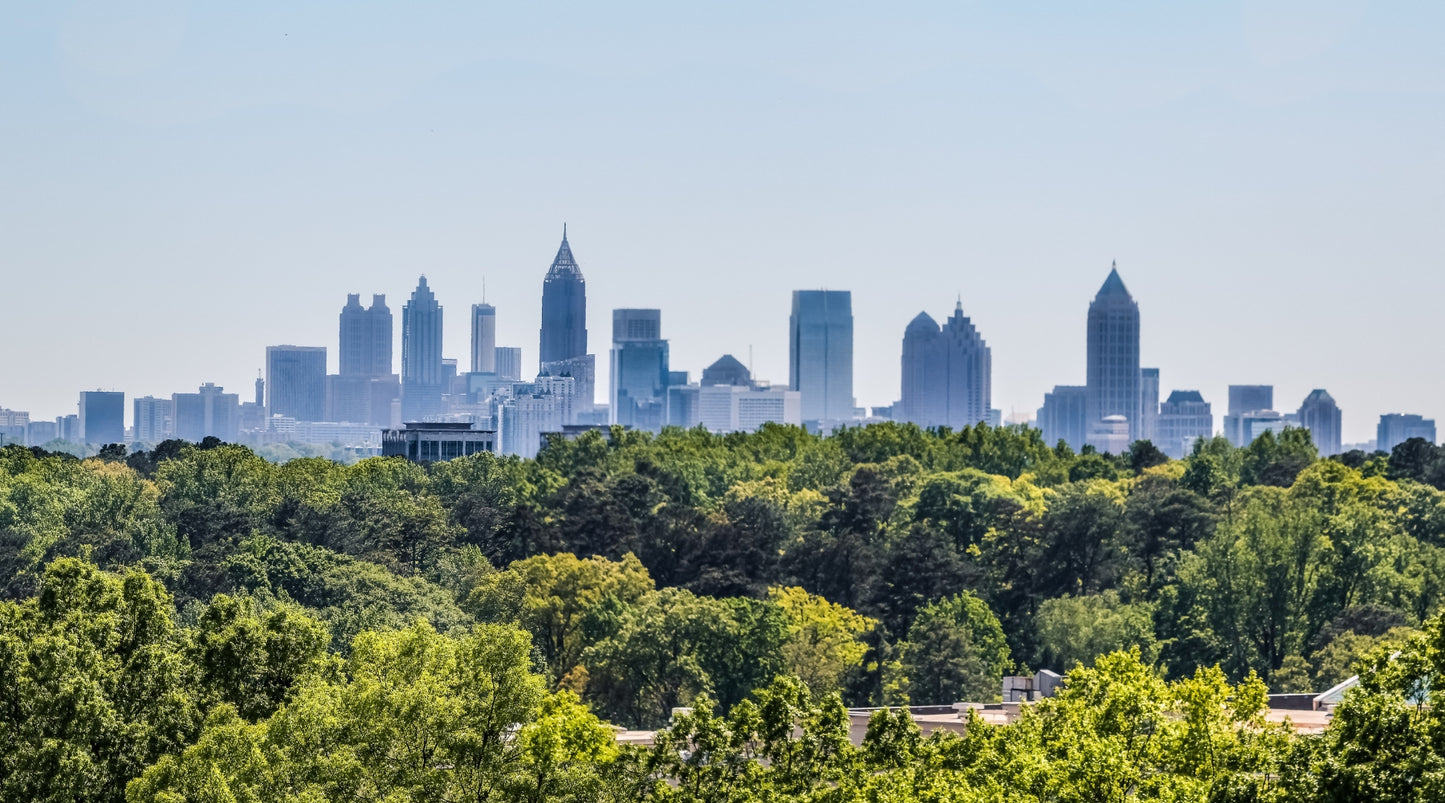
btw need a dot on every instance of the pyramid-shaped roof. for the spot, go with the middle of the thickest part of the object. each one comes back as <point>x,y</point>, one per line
<point>922,322</point>
<point>1113,286</point>
<point>564,265</point>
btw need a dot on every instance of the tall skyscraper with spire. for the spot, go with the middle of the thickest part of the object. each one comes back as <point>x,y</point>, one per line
<point>947,372</point>
<point>1113,378</point>
<point>422,380</point>
<point>564,308</point>
<point>484,338</point>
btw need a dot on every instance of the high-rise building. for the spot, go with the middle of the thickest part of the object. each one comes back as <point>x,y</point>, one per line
<point>820,353</point>
<point>1246,401</point>
<point>366,337</point>
<point>1184,418</point>
<point>732,408</point>
<point>67,428</point>
<point>484,339</point>
<point>1063,417</point>
<point>1321,416</point>
<point>210,412</point>
<point>39,433</point>
<point>102,416</point>
<point>296,382</point>
<point>1396,428</point>
<point>564,308</point>
<point>534,408</point>
<point>422,380</point>
<point>509,363</point>
<point>583,369</point>
<point>947,373</point>
<point>1148,403</point>
<point>152,419</point>
<point>1113,378</point>
<point>639,369</point>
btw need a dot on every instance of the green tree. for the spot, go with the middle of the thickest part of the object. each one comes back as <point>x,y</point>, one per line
<point>955,651</point>
<point>253,658</point>
<point>823,638</point>
<point>1076,630</point>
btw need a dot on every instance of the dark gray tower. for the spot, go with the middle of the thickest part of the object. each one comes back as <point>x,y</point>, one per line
<point>1321,416</point>
<point>422,380</point>
<point>922,353</point>
<point>564,308</point>
<point>1112,378</point>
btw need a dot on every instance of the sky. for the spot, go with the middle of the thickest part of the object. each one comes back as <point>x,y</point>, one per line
<point>185,183</point>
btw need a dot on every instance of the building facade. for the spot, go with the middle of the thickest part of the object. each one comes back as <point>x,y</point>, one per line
<point>1396,428</point>
<point>947,373</point>
<point>1063,416</point>
<point>1148,403</point>
<point>428,443</point>
<point>151,419</point>
<point>422,379</point>
<point>1321,416</point>
<point>1113,377</point>
<point>820,353</point>
<point>484,339</point>
<point>1247,401</point>
<point>296,382</point>
<point>1184,418</point>
<point>639,369</point>
<point>509,363</point>
<point>726,408</point>
<point>102,416</point>
<point>366,338</point>
<point>209,412</point>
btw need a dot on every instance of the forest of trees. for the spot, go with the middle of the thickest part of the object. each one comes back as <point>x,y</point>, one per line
<point>195,622</point>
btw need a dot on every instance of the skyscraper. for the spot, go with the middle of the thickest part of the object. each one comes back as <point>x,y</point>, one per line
<point>296,382</point>
<point>820,353</point>
<point>102,416</point>
<point>1321,416</point>
<point>1062,417</point>
<point>209,412</point>
<point>1396,428</point>
<point>1244,400</point>
<point>1113,378</point>
<point>1149,403</point>
<point>484,339</point>
<point>564,308</point>
<point>509,363</point>
<point>151,418</point>
<point>366,337</point>
<point>422,382</point>
<point>1184,418</point>
<point>726,370</point>
<point>638,369</point>
<point>947,373</point>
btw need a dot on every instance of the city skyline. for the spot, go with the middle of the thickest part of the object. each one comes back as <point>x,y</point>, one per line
<point>1256,174</point>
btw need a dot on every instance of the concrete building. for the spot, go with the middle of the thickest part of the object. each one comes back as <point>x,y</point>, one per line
<point>534,408</point>
<point>39,433</point>
<point>732,408</point>
<point>1111,436</point>
<point>422,379</point>
<point>1184,418</point>
<point>67,428</point>
<point>209,412</point>
<point>509,363</point>
<point>102,417</point>
<point>1113,378</point>
<point>1396,428</point>
<point>1063,416</point>
<point>366,338</point>
<point>1148,403</point>
<point>947,373</point>
<point>13,425</point>
<point>639,369</point>
<point>564,308</point>
<point>820,353</point>
<point>1245,400</point>
<point>1321,416</point>
<point>151,419</point>
<point>430,442</point>
<point>296,382</point>
<point>484,339</point>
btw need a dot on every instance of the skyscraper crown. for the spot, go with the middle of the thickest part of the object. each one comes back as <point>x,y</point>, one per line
<point>564,265</point>
<point>1113,286</point>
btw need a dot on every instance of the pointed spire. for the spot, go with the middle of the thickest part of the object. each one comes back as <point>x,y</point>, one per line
<point>1113,286</point>
<point>564,231</point>
<point>564,264</point>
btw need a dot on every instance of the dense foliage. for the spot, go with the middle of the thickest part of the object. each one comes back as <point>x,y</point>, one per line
<point>205,624</point>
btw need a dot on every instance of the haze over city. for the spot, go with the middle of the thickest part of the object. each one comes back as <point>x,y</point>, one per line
<point>187,185</point>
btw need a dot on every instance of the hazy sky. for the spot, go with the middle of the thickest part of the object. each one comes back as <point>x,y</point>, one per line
<point>182,184</point>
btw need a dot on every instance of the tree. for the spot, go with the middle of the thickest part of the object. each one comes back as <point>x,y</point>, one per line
<point>955,651</point>
<point>253,659</point>
<point>823,638</point>
<point>95,687</point>
<point>1076,630</point>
